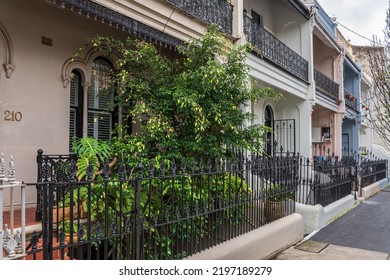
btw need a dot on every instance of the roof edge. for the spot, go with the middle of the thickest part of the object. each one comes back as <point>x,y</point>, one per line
<point>300,7</point>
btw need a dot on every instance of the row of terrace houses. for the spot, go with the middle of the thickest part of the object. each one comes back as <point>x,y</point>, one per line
<point>47,98</point>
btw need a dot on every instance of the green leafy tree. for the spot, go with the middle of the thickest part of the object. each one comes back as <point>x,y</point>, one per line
<point>190,106</point>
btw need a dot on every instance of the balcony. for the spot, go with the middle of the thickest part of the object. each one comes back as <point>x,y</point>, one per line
<point>326,85</point>
<point>350,100</point>
<point>211,11</point>
<point>97,12</point>
<point>271,48</point>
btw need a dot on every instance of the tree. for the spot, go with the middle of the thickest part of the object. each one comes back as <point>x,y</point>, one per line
<point>379,66</point>
<point>189,106</point>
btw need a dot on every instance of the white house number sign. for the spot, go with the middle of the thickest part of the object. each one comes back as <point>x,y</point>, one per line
<point>12,116</point>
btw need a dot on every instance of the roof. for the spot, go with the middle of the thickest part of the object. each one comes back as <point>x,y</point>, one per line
<point>300,7</point>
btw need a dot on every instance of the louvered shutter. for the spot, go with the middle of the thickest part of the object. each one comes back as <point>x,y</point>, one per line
<point>100,116</point>
<point>74,104</point>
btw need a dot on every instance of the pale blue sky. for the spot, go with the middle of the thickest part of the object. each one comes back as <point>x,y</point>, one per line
<point>366,17</point>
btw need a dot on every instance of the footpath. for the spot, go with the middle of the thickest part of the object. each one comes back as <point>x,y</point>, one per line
<point>361,234</point>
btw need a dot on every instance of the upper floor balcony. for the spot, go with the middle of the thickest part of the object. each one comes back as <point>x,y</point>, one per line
<point>272,49</point>
<point>350,100</point>
<point>326,85</point>
<point>219,12</point>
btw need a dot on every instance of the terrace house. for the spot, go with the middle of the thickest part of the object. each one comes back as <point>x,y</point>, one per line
<point>328,110</point>
<point>48,98</point>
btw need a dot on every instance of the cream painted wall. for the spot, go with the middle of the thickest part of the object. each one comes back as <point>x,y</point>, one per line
<point>36,90</point>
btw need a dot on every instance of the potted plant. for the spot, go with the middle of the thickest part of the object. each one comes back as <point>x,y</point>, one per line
<point>276,200</point>
<point>63,209</point>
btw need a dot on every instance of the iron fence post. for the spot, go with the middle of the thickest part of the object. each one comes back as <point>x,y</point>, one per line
<point>137,209</point>
<point>38,211</point>
<point>45,222</point>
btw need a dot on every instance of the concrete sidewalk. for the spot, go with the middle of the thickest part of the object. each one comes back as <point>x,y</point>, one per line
<point>361,234</point>
<point>314,250</point>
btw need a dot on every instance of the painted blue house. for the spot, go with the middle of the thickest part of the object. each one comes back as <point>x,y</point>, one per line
<point>351,124</point>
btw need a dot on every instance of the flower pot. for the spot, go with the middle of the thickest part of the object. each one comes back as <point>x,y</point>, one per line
<point>63,213</point>
<point>274,210</point>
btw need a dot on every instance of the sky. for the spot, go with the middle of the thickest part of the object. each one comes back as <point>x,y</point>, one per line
<point>365,17</point>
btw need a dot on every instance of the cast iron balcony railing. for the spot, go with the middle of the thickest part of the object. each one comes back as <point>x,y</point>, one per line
<point>274,50</point>
<point>350,100</point>
<point>219,12</point>
<point>97,12</point>
<point>326,85</point>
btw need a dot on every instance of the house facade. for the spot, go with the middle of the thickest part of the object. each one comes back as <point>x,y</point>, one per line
<point>280,31</point>
<point>352,99</point>
<point>366,133</point>
<point>48,97</point>
<point>328,110</point>
<point>376,144</point>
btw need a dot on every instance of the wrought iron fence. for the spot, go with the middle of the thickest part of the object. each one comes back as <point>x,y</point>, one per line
<point>284,135</point>
<point>165,211</point>
<point>50,168</point>
<point>212,11</point>
<point>328,177</point>
<point>372,169</point>
<point>325,180</point>
<point>162,211</point>
<point>274,50</point>
<point>12,239</point>
<point>281,138</point>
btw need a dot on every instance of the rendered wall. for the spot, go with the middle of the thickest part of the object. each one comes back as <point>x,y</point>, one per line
<point>35,90</point>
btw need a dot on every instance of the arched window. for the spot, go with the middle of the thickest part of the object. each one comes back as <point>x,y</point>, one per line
<point>269,121</point>
<point>76,108</point>
<point>100,101</point>
<point>92,112</point>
